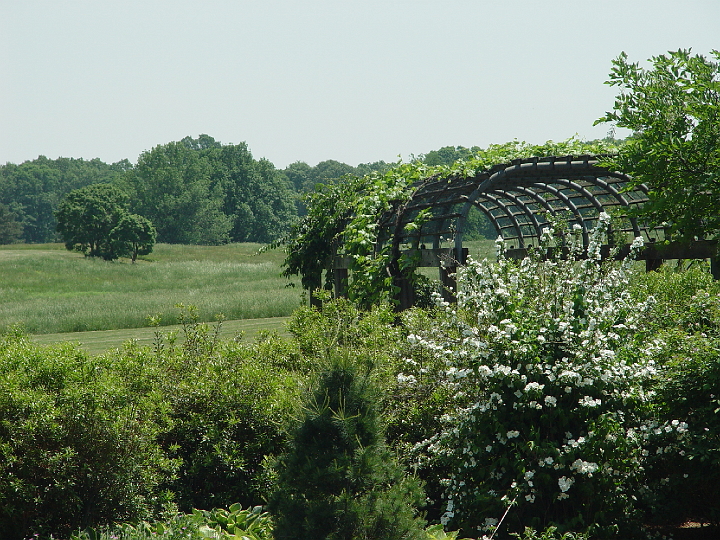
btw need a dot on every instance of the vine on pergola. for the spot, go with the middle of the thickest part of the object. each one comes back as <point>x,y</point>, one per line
<point>376,223</point>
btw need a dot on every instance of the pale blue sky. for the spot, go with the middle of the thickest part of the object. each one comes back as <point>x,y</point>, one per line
<point>309,80</point>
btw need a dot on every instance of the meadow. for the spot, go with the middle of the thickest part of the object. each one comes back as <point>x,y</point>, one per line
<point>49,290</point>
<point>56,295</point>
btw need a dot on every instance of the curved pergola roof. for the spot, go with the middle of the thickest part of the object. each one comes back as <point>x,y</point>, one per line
<point>516,197</point>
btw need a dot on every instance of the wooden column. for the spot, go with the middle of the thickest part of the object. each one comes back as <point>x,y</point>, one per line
<point>449,283</point>
<point>341,281</point>
<point>653,264</point>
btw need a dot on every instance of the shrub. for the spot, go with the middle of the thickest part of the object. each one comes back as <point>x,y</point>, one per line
<point>227,415</point>
<point>77,440</point>
<point>231,524</point>
<point>550,371</point>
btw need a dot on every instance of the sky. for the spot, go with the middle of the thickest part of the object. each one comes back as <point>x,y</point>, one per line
<point>312,80</point>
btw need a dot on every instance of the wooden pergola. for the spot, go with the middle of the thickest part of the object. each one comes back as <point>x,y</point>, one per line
<point>518,199</point>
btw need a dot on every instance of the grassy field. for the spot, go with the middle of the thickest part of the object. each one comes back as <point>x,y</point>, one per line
<point>57,295</point>
<point>50,290</point>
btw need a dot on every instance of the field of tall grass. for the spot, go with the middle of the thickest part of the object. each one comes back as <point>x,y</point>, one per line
<point>48,289</point>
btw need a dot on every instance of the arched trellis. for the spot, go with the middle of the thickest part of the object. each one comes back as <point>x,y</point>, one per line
<point>518,199</point>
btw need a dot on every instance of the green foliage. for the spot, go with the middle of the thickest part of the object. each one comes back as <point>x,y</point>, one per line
<point>94,220</point>
<point>685,323</point>
<point>91,441</point>
<point>77,440</point>
<point>683,299</point>
<point>548,534</point>
<point>34,189</point>
<point>338,480</point>
<point>10,229</point>
<point>339,324</point>
<point>683,479</point>
<point>235,523</point>
<point>314,240</point>
<point>305,178</point>
<point>132,236</point>
<point>673,108</point>
<point>224,427</point>
<point>203,192</point>
<point>343,218</point>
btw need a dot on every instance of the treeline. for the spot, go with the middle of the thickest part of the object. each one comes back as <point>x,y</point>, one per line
<point>194,191</point>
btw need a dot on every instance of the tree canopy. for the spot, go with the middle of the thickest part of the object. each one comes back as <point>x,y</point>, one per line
<point>198,191</point>
<point>10,228</point>
<point>34,189</point>
<point>95,221</point>
<point>673,108</point>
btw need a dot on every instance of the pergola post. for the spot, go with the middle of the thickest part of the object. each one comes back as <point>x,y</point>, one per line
<point>652,265</point>
<point>449,283</point>
<point>341,281</point>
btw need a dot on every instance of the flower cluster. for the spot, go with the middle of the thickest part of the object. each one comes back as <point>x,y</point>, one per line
<point>552,390</point>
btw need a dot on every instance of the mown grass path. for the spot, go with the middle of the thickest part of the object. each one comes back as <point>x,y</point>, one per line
<point>102,341</point>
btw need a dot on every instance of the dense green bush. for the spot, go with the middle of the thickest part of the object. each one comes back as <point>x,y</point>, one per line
<point>227,415</point>
<point>86,441</point>
<point>77,440</point>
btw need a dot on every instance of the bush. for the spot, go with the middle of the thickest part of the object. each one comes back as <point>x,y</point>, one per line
<point>77,440</point>
<point>90,441</point>
<point>553,419</point>
<point>227,416</point>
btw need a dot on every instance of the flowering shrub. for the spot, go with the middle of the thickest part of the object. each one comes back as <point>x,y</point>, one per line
<point>551,375</point>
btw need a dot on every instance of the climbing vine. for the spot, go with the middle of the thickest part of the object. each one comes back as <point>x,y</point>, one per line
<point>343,219</point>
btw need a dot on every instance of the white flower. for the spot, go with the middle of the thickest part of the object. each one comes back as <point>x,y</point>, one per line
<point>406,379</point>
<point>587,401</point>
<point>512,434</point>
<point>584,467</point>
<point>564,483</point>
<point>534,386</point>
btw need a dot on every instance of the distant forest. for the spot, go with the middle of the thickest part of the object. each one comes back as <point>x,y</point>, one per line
<point>195,191</point>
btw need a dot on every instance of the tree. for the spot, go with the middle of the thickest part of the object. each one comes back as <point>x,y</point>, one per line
<point>198,191</point>
<point>95,221</point>
<point>339,481</point>
<point>10,229</point>
<point>257,198</point>
<point>171,186</point>
<point>133,235</point>
<point>673,108</point>
<point>34,189</point>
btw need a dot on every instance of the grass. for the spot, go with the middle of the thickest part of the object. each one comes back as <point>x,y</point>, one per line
<point>50,290</point>
<point>57,295</point>
<point>102,341</point>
